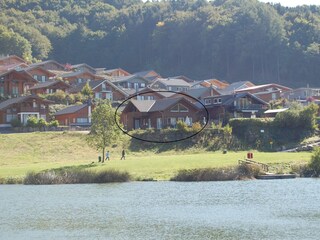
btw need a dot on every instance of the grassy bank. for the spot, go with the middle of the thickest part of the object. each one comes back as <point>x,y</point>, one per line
<point>23,153</point>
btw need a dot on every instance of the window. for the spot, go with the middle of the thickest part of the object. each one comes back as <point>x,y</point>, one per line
<point>15,90</point>
<point>97,95</point>
<point>43,78</point>
<point>140,97</point>
<point>1,90</point>
<point>150,97</point>
<point>35,77</point>
<point>207,101</point>
<point>169,88</point>
<point>159,123</point>
<point>215,101</point>
<point>109,95</point>
<point>179,89</point>
<point>175,108</point>
<point>179,108</point>
<point>143,85</point>
<point>79,80</point>
<point>82,120</point>
<point>10,117</point>
<point>183,108</point>
<point>219,100</point>
<point>104,87</point>
<point>181,119</point>
<point>136,85</point>
<point>173,121</point>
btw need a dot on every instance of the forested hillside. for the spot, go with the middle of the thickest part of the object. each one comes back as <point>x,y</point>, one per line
<point>230,40</point>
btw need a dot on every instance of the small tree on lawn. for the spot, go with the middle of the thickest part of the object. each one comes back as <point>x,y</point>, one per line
<point>104,130</point>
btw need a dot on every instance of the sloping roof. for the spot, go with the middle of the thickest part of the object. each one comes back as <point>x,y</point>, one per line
<point>29,68</point>
<point>115,69</point>
<point>14,66</point>
<point>83,65</point>
<point>11,101</point>
<point>235,86</point>
<point>143,106</point>
<point>163,104</point>
<point>48,61</point>
<point>157,105</point>
<point>71,109</point>
<point>229,98</point>
<point>141,91</point>
<point>198,92</point>
<point>127,78</point>
<point>12,56</point>
<point>22,71</point>
<point>92,84</point>
<point>166,94</point>
<point>276,110</point>
<point>145,73</point>
<point>215,83</point>
<point>73,74</point>
<point>172,82</point>
<point>264,86</point>
<point>48,84</point>
<point>96,83</point>
<point>185,78</point>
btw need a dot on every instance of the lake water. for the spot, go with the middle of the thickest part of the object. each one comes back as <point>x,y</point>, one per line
<point>270,209</point>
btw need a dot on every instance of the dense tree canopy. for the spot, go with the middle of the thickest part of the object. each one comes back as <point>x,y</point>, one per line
<point>231,40</point>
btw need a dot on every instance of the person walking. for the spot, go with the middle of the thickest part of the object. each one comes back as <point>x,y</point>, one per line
<point>123,155</point>
<point>107,155</point>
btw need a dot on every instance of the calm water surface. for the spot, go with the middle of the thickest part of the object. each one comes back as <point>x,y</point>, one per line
<point>273,209</point>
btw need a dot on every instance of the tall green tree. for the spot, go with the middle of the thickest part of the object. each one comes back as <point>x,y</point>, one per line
<point>87,90</point>
<point>104,130</point>
<point>12,43</point>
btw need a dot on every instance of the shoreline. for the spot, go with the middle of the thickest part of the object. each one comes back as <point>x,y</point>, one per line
<point>236,173</point>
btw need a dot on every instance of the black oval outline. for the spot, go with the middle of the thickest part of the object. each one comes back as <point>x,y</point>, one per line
<point>137,94</point>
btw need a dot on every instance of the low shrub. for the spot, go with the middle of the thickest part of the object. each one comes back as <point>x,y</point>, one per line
<point>16,122</point>
<point>248,171</point>
<point>53,124</point>
<point>72,176</point>
<point>11,180</point>
<point>32,122</point>
<point>303,170</point>
<point>315,162</point>
<point>244,171</point>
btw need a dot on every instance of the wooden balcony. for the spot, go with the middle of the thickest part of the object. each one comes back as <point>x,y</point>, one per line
<point>31,109</point>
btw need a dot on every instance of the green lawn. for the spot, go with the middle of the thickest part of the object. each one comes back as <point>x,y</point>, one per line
<point>21,153</point>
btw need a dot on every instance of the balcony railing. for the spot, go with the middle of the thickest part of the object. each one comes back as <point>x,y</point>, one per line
<point>31,109</point>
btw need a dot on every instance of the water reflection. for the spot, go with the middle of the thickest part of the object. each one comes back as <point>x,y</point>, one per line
<point>274,209</point>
